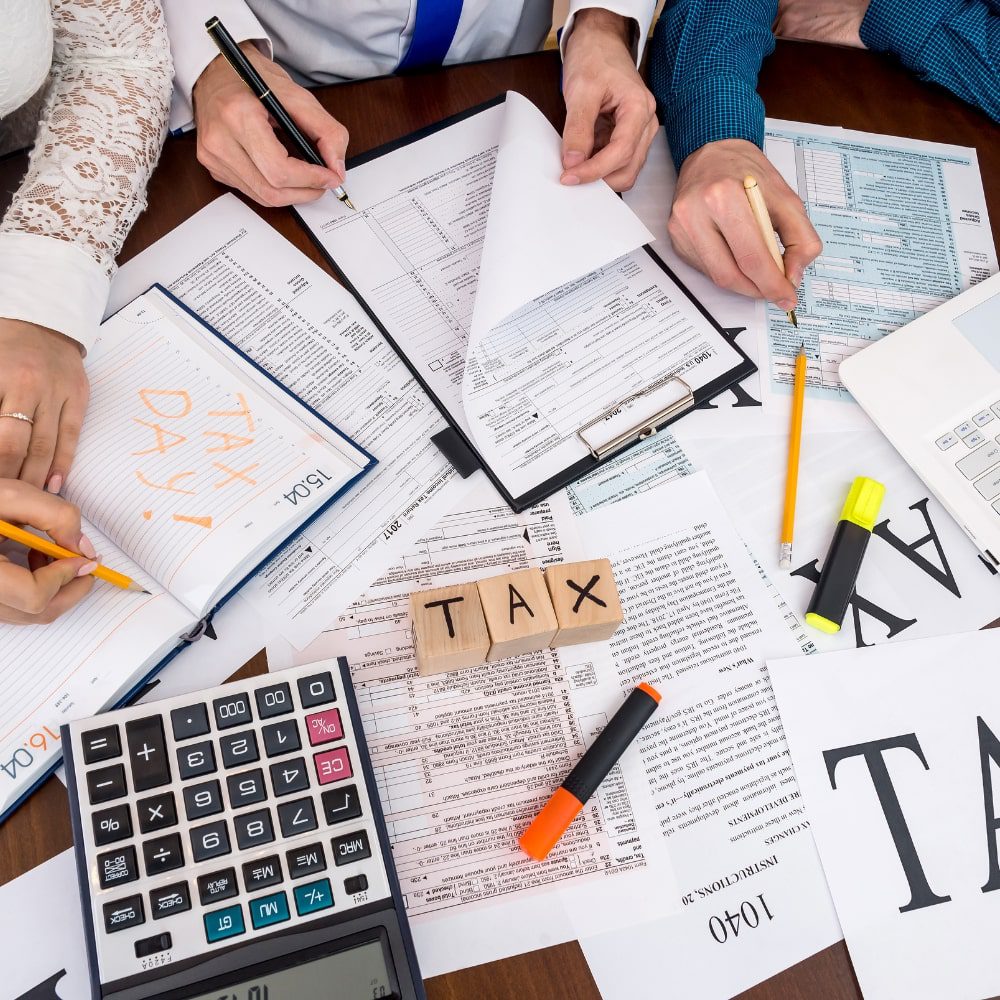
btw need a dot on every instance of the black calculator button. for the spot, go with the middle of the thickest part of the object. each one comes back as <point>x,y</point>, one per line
<point>298,816</point>
<point>341,803</point>
<point>260,874</point>
<point>232,710</point>
<point>158,812</point>
<point>281,737</point>
<point>352,847</point>
<point>202,800</point>
<point>147,753</point>
<point>253,829</point>
<point>153,945</point>
<point>289,776</point>
<point>305,860</point>
<point>168,900</point>
<point>239,748</point>
<point>163,854</point>
<point>217,885</point>
<point>196,760</point>
<point>123,913</point>
<point>117,867</point>
<point>316,690</point>
<point>247,788</point>
<point>101,744</point>
<point>190,721</point>
<point>106,783</point>
<point>276,699</point>
<point>210,841</point>
<point>112,824</point>
<point>356,883</point>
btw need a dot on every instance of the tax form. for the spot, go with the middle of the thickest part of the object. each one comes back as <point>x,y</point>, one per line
<point>527,308</point>
<point>904,227</point>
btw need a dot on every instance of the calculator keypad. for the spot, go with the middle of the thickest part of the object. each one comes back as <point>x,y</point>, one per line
<point>222,818</point>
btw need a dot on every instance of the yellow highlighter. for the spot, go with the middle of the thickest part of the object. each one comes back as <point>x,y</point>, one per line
<point>843,560</point>
<point>48,548</point>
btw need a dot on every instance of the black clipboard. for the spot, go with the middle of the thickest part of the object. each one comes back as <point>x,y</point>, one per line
<point>456,444</point>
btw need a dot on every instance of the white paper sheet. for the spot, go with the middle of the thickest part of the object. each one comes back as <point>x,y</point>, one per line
<point>296,322</point>
<point>921,575</point>
<point>714,759</point>
<point>41,930</point>
<point>904,226</point>
<point>465,759</point>
<point>918,896</point>
<point>515,297</point>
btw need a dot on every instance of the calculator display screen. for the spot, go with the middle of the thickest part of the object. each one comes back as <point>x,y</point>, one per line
<point>357,974</point>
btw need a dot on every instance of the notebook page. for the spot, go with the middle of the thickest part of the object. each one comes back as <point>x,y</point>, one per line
<point>186,465</point>
<point>51,674</point>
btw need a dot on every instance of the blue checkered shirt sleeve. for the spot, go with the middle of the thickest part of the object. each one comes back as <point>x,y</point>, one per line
<point>955,43</point>
<point>705,56</point>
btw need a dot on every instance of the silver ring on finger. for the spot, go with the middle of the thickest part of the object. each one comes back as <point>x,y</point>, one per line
<point>14,415</point>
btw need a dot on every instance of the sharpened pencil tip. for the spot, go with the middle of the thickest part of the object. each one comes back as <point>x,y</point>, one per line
<point>793,319</point>
<point>136,588</point>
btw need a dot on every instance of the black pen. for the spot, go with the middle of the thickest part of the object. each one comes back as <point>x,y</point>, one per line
<point>244,68</point>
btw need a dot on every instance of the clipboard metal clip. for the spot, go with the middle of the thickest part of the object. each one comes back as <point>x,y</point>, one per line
<point>670,394</point>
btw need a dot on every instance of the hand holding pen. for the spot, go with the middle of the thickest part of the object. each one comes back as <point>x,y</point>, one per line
<point>236,137</point>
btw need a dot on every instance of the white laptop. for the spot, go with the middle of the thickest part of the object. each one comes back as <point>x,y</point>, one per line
<point>933,389</point>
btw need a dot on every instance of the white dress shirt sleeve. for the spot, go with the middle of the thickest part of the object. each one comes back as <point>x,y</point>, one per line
<point>639,11</point>
<point>193,49</point>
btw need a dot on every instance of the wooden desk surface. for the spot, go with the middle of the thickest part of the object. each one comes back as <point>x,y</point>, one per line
<point>802,82</point>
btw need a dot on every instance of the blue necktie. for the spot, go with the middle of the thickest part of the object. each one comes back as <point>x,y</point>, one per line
<point>433,32</point>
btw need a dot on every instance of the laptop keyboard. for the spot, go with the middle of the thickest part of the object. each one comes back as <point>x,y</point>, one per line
<point>974,445</point>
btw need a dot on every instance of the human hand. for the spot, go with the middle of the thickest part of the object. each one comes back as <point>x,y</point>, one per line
<point>40,594</point>
<point>610,114</point>
<point>41,376</point>
<point>237,144</point>
<point>837,22</point>
<point>713,228</point>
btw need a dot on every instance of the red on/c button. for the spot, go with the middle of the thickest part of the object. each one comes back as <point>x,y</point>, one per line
<point>333,765</point>
<point>324,727</point>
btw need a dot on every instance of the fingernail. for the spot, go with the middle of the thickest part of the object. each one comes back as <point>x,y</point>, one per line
<point>787,304</point>
<point>340,167</point>
<point>573,158</point>
<point>86,569</point>
<point>87,547</point>
<point>570,179</point>
<point>55,483</point>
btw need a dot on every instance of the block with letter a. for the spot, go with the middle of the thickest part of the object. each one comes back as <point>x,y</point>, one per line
<point>586,601</point>
<point>449,630</point>
<point>518,613</point>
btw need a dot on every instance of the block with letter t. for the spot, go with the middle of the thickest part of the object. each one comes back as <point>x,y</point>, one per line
<point>585,599</point>
<point>449,629</point>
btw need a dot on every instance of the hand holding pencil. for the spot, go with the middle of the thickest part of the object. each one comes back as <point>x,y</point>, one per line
<point>41,593</point>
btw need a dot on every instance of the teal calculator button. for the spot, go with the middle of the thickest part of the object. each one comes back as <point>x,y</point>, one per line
<point>267,910</point>
<point>222,924</point>
<point>313,896</point>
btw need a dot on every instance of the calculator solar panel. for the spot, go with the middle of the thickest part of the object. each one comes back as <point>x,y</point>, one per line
<point>232,843</point>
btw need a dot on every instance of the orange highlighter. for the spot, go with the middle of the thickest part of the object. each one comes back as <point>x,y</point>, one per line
<point>592,768</point>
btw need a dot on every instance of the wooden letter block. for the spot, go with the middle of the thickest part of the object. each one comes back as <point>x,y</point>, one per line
<point>518,613</point>
<point>586,601</point>
<point>449,630</point>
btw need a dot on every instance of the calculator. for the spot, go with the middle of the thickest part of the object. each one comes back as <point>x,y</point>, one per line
<point>230,845</point>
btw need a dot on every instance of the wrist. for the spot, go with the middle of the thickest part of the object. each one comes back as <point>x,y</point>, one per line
<point>598,22</point>
<point>219,68</point>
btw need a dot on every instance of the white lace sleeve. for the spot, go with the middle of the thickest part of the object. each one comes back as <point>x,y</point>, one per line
<point>102,128</point>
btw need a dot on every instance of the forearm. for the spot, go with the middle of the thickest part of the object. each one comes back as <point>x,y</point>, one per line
<point>101,131</point>
<point>954,43</point>
<point>704,59</point>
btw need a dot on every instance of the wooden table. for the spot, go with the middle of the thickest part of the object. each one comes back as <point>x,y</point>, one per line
<point>802,82</point>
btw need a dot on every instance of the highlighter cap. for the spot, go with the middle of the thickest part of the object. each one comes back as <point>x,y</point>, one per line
<point>863,502</point>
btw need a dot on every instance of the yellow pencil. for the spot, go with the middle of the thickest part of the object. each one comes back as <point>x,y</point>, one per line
<point>48,548</point>
<point>763,217</point>
<point>794,446</point>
